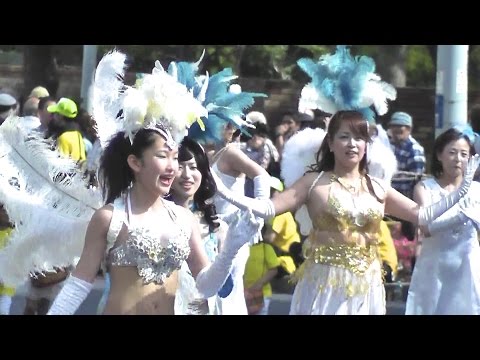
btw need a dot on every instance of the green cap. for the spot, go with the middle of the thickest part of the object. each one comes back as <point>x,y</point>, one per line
<point>65,107</point>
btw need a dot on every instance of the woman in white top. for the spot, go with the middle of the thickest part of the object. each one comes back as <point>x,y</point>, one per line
<point>446,277</point>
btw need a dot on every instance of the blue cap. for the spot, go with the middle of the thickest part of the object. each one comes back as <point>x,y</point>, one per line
<point>401,118</point>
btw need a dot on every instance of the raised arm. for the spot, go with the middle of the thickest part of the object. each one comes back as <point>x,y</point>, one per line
<point>289,200</point>
<point>237,162</point>
<point>402,207</point>
<point>79,284</point>
<point>211,277</point>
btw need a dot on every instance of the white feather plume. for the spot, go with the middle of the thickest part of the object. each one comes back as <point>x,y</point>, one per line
<point>46,197</point>
<point>382,162</point>
<point>107,94</point>
<point>298,155</point>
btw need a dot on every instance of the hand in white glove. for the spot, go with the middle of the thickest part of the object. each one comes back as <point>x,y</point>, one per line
<point>242,229</point>
<point>428,214</point>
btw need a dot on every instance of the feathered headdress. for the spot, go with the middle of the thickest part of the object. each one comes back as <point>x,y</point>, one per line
<point>213,92</point>
<point>157,101</point>
<point>339,82</point>
<point>342,82</point>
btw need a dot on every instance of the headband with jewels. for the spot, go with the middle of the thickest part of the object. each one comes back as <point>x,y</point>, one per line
<point>157,101</point>
<point>343,82</point>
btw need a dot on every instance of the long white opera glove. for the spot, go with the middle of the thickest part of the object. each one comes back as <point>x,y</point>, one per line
<point>260,207</point>
<point>261,186</point>
<point>72,295</point>
<point>240,231</point>
<point>454,219</point>
<point>428,214</point>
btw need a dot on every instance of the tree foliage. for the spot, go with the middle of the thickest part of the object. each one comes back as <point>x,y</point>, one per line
<point>417,63</point>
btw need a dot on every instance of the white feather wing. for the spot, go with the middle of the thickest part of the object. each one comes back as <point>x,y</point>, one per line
<point>46,197</point>
<point>298,155</point>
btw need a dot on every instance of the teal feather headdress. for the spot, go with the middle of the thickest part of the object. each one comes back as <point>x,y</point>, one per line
<point>213,92</point>
<point>342,82</point>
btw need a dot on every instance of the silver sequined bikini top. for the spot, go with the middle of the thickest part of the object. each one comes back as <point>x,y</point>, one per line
<point>157,248</point>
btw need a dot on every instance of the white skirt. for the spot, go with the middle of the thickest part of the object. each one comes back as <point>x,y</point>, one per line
<point>332,290</point>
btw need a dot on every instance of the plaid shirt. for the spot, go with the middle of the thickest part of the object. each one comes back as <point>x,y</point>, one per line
<point>410,157</point>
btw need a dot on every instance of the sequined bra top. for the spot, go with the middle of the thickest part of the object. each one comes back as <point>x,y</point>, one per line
<point>157,248</point>
<point>347,219</point>
<point>347,213</point>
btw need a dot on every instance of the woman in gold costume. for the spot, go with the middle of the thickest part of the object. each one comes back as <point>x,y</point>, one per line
<point>342,269</point>
<point>342,272</point>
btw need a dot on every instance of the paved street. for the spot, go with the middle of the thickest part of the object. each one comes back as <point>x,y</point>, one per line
<point>280,304</point>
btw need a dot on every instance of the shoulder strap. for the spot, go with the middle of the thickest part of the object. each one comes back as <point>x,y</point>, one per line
<point>314,183</point>
<point>116,224</point>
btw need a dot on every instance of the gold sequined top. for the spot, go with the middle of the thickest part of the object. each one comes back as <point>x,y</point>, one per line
<point>346,233</point>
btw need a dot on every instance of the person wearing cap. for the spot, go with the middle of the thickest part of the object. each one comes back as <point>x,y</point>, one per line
<point>409,153</point>
<point>8,106</point>
<point>39,92</point>
<point>45,116</point>
<point>65,129</point>
<point>30,120</point>
<point>258,117</point>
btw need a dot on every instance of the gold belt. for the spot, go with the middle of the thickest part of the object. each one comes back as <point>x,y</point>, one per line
<point>356,258</point>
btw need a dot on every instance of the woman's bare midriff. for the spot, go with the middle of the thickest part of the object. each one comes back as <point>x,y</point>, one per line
<point>130,296</point>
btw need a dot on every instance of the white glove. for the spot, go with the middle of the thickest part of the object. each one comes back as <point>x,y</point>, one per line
<point>241,230</point>
<point>428,214</point>
<point>260,207</point>
<point>261,186</point>
<point>72,295</point>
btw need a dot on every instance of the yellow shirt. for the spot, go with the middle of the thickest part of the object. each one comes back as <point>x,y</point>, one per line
<point>71,143</point>
<point>285,228</point>
<point>5,290</point>
<point>262,258</point>
<point>4,236</point>
<point>386,247</point>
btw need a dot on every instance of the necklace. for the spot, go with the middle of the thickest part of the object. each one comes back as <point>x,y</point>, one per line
<point>352,188</point>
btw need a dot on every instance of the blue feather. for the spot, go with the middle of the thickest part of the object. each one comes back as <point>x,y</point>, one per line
<point>341,78</point>
<point>224,107</point>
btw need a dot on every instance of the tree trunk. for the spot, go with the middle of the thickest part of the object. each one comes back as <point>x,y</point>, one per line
<point>39,69</point>
<point>239,50</point>
<point>391,64</point>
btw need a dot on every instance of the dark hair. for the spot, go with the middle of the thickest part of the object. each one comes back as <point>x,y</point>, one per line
<point>87,125</point>
<point>359,127</point>
<point>58,125</point>
<point>188,150</point>
<point>260,130</point>
<point>441,142</point>
<point>115,174</point>
<point>43,101</point>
